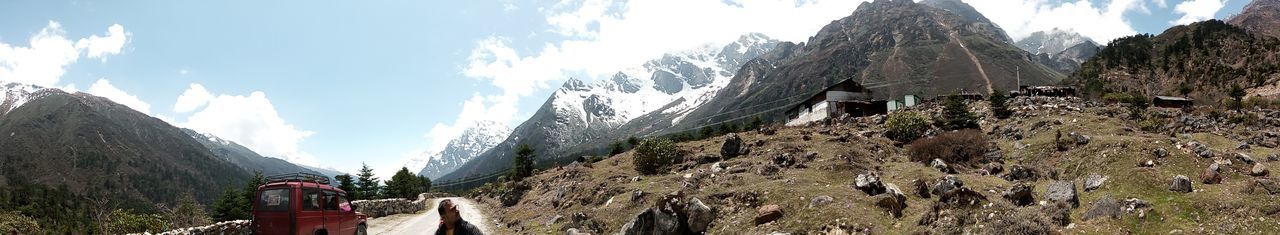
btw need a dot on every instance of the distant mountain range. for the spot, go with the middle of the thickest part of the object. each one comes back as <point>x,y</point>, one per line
<point>1260,17</point>
<point>1061,50</point>
<point>472,142</point>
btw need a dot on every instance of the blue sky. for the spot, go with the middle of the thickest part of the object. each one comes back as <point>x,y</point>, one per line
<point>337,83</point>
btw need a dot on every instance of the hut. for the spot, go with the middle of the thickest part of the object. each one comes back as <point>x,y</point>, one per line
<point>844,98</point>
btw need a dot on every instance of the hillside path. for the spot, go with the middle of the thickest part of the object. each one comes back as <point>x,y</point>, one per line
<point>972,57</point>
<point>427,221</point>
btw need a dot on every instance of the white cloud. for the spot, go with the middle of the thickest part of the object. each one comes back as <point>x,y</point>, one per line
<point>45,60</point>
<point>104,88</point>
<point>1102,23</point>
<point>1162,3</point>
<point>195,97</point>
<point>509,7</point>
<point>250,121</point>
<point>1197,10</point>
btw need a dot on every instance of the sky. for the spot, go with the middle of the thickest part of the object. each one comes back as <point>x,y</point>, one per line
<point>337,84</point>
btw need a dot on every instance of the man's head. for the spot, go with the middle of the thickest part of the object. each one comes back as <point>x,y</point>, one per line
<point>448,211</point>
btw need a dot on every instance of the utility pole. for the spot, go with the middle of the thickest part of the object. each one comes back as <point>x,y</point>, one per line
<point>1018,74</point>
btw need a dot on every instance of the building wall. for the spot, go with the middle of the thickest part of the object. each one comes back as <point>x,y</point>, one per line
<point>816,113</point>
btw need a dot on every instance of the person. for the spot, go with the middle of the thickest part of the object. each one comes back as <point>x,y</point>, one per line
<point>451,222</point>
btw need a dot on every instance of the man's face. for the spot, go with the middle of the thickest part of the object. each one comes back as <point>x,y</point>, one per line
<point>451,213</point>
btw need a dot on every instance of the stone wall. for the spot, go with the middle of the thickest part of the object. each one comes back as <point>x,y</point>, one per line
<point>372,208</point>
<point>234,227</point>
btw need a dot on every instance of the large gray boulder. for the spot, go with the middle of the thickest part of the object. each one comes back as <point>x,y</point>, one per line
<point>869,183</point>
<point>893,200</point>
<point>1094,181</point>
<point>732,146</point>
<point>1105,207</point>
<point>1180,184</point>
<point>947,184</point>
<point>652,221</point>
<point>1211,175</point>
<point>1063,191</point>
<point>768,213</point>
<point>1020,194</point>
<point>700,216</point>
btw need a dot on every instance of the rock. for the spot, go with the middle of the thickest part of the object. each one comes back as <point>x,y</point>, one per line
<point>637,197</point>
<point>869,183</point>
<point>732,146</point>
<point>948,183</point>
<point>1132,204</point>
<point>1273,157</point>
<point>1180,184</point>
<point>992,168</point>
<point>768,213</point>
<point>574,231</point>
<point>1244,158</point>
<point>1020,194</point>
<point>893,200</point>
<point>1019,172</point>
<point>1081,139</point>
<point>1211,175</point>
<point>768,170</point>
<point>700,216</point>
<point>1063,191</point>
<point>585,223</point>
<point>1205,153</point>
<point>1094,181</point>
<point>1160,152</point>
<point>783,160</point>
<point>962,197</point>
<point>820,201</point>
<point>1147,163</point>
<point>1242,146</point>
<point>1105,207</point>
<point>1259,170</point>
<point>994,156</point>
<point>941,165</point>
<point>1272,186</point>
<point>921,188</point>
<point>553,220</point>
<point>651,221</point>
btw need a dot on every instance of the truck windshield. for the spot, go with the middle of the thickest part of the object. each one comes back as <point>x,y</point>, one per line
<point>274,200</point>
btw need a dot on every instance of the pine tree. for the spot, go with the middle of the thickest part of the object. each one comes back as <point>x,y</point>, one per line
<point>367,184</point>
<point>186,212</point>
<point>404,185</point>
<point>249,192</point>
<point>999,106</point>
<point>424,184</point>
<point>346,183</point>
<point>523,163</point>
<point>617,148</point>
<point>1237,96</point>
<point>229,206</point>
<point>956,115</point>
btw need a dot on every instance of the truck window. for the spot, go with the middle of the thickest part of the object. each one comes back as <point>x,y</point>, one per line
<point>330,200</point>
<point>311,199</point>
<point>274,200</point>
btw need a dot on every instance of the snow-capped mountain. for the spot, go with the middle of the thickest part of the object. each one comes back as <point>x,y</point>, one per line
<point>580,112</point>
<point>1052,42</point>
<point>13,95</point>
<point>471,143</point>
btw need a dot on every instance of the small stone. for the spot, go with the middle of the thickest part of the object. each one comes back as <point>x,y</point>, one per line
<point>1242,146</point>
<point>1180,184</point>
<point>948,183</point>
<point>1063,191</point>
<point>1245,158</point>
<point>820,201</point>
<point>1094,181</point>
<point>1273,157</point>
<point>768,213</point>
<point>992,168</point>
<point>941,165</point>
<point>1147,163</point>
<point>768,170</point>
<point>1259,170</point>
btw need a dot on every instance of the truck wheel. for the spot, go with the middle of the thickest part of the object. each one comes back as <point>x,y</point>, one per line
<point>362,230</point>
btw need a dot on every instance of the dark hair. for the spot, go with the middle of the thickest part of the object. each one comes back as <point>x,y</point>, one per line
<point>440,208</point>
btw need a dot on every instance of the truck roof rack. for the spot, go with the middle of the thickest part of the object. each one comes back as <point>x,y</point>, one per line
<point>299,177</point>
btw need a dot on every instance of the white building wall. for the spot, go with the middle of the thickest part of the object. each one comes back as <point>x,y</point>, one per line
<point>817,113</point>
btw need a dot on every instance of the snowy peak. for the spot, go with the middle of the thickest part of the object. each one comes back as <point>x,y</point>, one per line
<point>1053,41</point>
<point>473,141</point>
<point>14,95</point>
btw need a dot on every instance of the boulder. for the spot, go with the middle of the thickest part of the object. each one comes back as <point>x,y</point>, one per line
<point>962,197</point>
<point>1180,184</point>
<point>1133,204</point>
<point>651,221</point>
<point>768,170</point>
<point>947,184</point>
<point>732,146</point>
<point>1063,191</point>
<point>1021,194</point>
<point>869,183</point>
<point>1211,175</point>
<point>1270,185</point>
<point>1242,146</point>
<point>893,200</point>
<point>1094,181</point>
<point>994,156</point>
<point>820,201</point>
<point>1205,153</point>
<point>1080,139</point>
<point>1160,152</point>
<point>637,197</point>
<point>1259,170</point>
<point>1245,158</point>
<point>1019,172</point>
<point>941,165</point>
<point>1104,207</point>
<point>700,216</point>
<point>992,168</point>
<point>920,187</point>
<point>768,213</point>
<point>1273,157</point>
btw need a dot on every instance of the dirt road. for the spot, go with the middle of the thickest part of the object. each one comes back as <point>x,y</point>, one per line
<point>427,221</point>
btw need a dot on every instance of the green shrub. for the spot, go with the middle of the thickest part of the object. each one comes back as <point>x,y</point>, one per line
<point>1022,221</point>
<point>999,106</point>
<point>1117,97</point>
<point>965,147</point>
<point>956,115</point>
<point>125,221</point>
<point>1152,124</point>
<point>14,222</point>
<point>655,155</point>
<point>905,126</point>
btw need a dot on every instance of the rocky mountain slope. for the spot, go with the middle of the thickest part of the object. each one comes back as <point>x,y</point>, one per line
<point>244,157</point>
<point>580,112</point>
<point>1197,174</point>
<point>59,150</point>
<point>1052,42</point>
<point>1201,60</point>
<point>895,47</point>
<point>473,142</point>
<point>1261,17</point>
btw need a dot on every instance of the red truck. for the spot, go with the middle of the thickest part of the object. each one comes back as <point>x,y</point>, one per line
<point>303,203</point>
